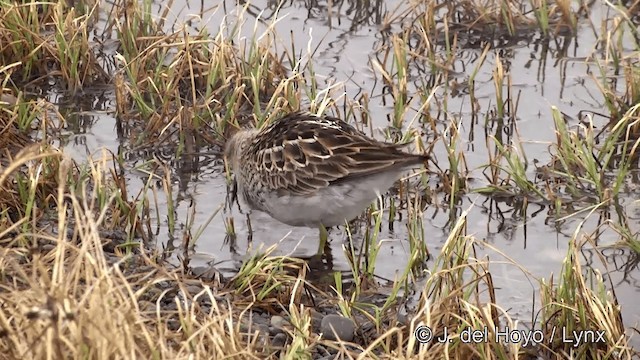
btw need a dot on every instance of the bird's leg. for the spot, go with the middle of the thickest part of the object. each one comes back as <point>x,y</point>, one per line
<point>324,236</point>
<point>232,194</point>
<point>249,229</point>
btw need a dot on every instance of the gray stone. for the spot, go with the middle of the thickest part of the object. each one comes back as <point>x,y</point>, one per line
<point>322,351</point>
<point>194,289</point>
<point>48,247</point>
<point>316,320</point>
<point>279,340</point>
<point>273,331</point>
<point>260,320</point>
<point>334,327</point>
<point>278,322</point>
<point>173,324</point>
<point>403,319</point>
<point>264,329</point>
<point>207,273</point>
<point>169,305</point>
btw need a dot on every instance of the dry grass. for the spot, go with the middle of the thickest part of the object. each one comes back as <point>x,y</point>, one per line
<point>65,296</point>
<point>70,302</point>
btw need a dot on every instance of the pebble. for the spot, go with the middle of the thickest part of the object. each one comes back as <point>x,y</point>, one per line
<point>169,305</point>
<point>173,324</point>
<point>259,319</point>
<point>264,329</point>
<point>316,320</point>
<point>278,322</point>
<point>47,247</point>
<point>194,289</point>
<point>403,319</point>
<point>334,327</point>
<point>322,351</point>
<point>252,330</point>
<point>252,327</point>
<point>147,306</point>
<point>8,99</point>
<point>207,273</point>
<point>279,340</point>
<point>273,331</point>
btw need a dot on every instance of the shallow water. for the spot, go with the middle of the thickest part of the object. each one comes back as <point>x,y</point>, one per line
<point>545,74</point>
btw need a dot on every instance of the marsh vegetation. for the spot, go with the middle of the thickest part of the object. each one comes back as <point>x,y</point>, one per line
<point>118,242</point>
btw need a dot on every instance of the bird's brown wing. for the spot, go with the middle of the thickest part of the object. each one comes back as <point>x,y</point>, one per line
<point>302,153</point>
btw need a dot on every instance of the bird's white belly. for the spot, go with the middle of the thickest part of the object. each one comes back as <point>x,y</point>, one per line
<point>330,206</point>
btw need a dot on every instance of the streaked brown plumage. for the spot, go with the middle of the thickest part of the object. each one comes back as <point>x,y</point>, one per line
<point>306,170</point>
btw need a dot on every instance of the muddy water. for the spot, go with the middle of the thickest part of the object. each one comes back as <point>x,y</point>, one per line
<point>545,74</point>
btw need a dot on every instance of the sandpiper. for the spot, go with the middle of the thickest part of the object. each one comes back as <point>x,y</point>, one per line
<point>314,171</point>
